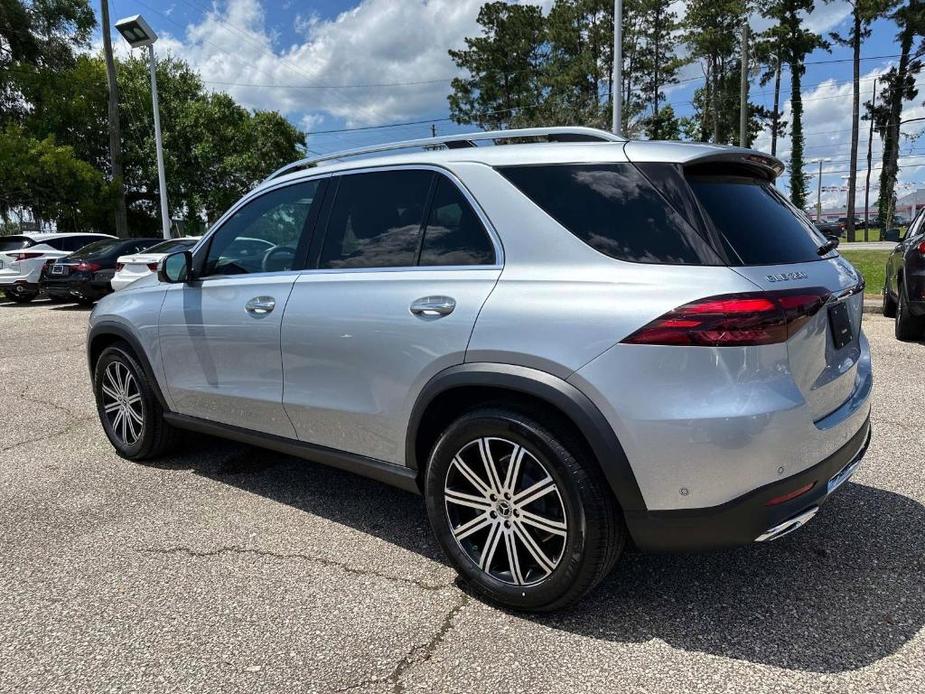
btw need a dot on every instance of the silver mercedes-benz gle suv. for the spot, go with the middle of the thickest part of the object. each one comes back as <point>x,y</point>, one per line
<point>566,342</point>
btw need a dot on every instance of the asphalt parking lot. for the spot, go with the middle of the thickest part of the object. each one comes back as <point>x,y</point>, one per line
<point>229,569</point>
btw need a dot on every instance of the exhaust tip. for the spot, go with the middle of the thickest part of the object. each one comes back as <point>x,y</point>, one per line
<point>788,526</point>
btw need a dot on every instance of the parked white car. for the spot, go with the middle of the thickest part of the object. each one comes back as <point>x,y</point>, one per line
<point>23,256</point>
<point>133,267</point>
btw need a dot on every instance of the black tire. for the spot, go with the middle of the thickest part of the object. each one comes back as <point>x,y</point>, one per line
<point>585,550</point>
<point>889,303</point>
<point>908,328</point>
<point>86,303</point>
<point>20,295</point>
<point>156,436</point>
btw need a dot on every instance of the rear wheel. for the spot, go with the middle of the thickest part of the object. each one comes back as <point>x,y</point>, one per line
<point>889,303</point>
<point>128,407</point>
<point>521,511</point>
<point>19,294</point>
<point>908,327</point>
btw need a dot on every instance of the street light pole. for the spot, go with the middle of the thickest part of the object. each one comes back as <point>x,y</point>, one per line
<point>159,143</point>
<point>617,89</point>
<point>139,34</point>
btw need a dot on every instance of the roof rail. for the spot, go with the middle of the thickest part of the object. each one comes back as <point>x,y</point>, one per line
<point>461,140</point>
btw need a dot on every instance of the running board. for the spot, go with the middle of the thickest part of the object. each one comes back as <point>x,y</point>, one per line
<point>379,470</point>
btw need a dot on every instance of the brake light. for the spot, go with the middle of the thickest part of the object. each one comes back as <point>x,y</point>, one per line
<point>26,256</point>
<point>734,320</point>
<point>152,267</point>
<point>921,248</point>
<point>84,266</point>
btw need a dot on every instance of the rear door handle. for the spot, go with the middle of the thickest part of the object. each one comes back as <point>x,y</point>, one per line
<point>433,306</point>
<point>260,306</point>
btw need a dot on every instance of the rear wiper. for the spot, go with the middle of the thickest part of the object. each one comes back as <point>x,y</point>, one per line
<point>828,246</point>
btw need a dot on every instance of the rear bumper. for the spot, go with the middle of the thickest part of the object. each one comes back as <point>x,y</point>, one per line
<point>81,286</point>
<point>748,518</point>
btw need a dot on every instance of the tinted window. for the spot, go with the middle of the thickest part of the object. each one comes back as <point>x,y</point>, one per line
<point>71,243</point>
<point>172,246</point>
<point>613,209</point>
<point>97,248</point>
<point>14,243</point>
<point>758,225</point>
<point>376,220</point>
<point>264,234</point>
<point>454,234</point>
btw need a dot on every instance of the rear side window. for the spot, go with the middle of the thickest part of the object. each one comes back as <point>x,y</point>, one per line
<point>615,210</point>
<point>757,224</point>
<point>14,243</point>
<point>454,234</point>
<point>376,220</point>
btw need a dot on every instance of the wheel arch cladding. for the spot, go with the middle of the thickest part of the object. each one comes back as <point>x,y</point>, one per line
<point>106,334</point>
<point>459,388</point>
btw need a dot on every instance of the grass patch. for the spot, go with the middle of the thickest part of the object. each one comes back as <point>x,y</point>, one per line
<point>871,264</point>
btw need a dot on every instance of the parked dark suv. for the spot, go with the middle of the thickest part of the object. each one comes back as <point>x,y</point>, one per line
<point>904,286</point>
<point>85,275</point>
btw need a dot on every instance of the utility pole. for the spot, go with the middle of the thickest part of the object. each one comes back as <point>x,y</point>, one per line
<point>819,191</point>
<point>617,89</point>
<point>743,88</point>
<point>870,151</point>
<point>115,130</point>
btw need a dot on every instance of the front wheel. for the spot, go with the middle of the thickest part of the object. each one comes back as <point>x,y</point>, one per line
<point>521,510</point>
<point>128,406</point>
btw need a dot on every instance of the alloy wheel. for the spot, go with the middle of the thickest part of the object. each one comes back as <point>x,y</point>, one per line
<point>122,403</point>
<point>505,511</point>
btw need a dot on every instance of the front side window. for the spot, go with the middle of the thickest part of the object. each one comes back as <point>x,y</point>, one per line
<point>613,209</point>
<point>376,220</point>
<point>263,235</point>
<point>454,234</point>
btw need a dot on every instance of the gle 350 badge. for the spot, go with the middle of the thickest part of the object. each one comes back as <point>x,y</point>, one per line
<point>787,276</point>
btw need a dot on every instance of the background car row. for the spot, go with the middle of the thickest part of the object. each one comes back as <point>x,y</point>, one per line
<point>78,267</point>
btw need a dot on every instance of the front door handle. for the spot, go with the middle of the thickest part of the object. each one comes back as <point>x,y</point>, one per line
<point>260,306</point>
<point>433,306</point>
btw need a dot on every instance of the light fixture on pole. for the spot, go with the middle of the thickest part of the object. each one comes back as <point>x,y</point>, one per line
<point>138,33</point>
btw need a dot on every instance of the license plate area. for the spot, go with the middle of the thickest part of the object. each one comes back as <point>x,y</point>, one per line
<point>840,325</point>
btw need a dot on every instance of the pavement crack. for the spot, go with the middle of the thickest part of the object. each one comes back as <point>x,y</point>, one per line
<point>322,561</point>
<point>48,435</point>
<point>418,655</point>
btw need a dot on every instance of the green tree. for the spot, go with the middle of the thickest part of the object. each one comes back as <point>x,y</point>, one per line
<point>863,13</point>
<point>712,36</point>
<point>48,180</point>
<point>899,86</point>
<point>789,30</point>
<point>505,65</point>
<point>658,64</point>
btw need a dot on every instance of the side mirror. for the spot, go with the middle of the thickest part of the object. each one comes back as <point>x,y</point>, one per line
<point>175,268</point>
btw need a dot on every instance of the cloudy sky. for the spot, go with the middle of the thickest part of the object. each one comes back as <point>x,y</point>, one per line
<point>334,65</point>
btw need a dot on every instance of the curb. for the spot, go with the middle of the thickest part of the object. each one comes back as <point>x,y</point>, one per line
<point>872,303</point>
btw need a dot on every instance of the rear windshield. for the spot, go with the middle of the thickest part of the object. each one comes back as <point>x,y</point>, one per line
<point>14,243</point>
<point>97,248</point>
<point>615,210</point>
<point>172,245</point>
<point>758,225</point>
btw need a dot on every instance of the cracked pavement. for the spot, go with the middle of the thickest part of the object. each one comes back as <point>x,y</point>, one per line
<point>226,569</point>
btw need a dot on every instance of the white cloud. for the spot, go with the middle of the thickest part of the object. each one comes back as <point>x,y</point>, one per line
<point>376,42</point>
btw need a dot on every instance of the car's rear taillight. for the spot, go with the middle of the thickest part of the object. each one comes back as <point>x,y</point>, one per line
<point>27,256</point>
<point>87,267</point>
<point>921,248</point>
<point>734,320</point>
<point>119,266</point>
<point>152,267</point>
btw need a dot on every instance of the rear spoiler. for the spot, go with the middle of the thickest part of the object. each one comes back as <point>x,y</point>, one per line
<point>697,155</point>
